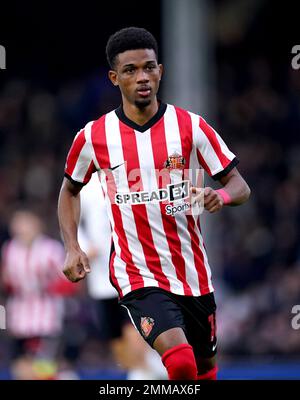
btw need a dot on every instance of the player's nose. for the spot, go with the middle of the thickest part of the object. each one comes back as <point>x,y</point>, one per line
<point>142,76</point>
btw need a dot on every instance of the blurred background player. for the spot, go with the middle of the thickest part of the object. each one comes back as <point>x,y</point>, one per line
<point>125,345</point>
<point>35,289</point>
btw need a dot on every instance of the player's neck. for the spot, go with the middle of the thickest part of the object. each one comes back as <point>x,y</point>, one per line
<point>140,115</point>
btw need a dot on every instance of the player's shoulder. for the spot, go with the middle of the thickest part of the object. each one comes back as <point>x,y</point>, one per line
<point>184,112</point>
<point>186,118</point>
<point>102,118</point>
<point>88,126</point>
<point>95,125</point>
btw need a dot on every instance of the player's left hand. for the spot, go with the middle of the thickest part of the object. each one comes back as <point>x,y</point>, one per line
<point>213,201</point>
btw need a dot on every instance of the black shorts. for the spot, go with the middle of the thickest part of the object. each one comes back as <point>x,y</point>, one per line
<point>154,310</point>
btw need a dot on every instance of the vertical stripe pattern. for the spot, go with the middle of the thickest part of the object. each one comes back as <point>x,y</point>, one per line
<point>155,243</point>
<point>32,309</point>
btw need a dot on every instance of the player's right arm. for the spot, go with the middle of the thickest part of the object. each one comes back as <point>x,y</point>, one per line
<point>76,264</point>
<point>78,171</point>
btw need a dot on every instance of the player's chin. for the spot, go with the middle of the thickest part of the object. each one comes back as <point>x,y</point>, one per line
<point>142,103</point>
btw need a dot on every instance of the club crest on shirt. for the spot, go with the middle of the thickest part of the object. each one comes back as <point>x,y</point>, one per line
<point>175,161</point>
<point>147,324</point>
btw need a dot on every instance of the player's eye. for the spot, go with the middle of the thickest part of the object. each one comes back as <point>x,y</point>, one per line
<point>150,67</point>
<point>129,70</point>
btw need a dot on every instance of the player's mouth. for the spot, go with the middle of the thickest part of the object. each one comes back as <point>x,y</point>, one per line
<point>144,91</point>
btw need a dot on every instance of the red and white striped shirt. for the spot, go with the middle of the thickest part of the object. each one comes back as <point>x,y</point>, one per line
<point>155,244</point>
<point>31,274</point>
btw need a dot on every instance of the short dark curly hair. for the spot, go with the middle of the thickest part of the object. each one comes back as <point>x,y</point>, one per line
<point>131,38</point>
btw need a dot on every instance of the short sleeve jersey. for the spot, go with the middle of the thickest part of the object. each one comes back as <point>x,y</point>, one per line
<point>146,174</point>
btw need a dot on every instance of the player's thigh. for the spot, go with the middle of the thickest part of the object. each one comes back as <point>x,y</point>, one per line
<point>169,339</point>
<point>200,322</point>
<point>157,317</point>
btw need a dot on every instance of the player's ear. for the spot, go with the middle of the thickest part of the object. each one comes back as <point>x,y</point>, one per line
<point>113,77</point>
<point>161,70</point>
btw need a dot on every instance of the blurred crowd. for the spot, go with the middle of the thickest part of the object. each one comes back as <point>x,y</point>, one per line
<point>259,112</point>
<point>258,265</point>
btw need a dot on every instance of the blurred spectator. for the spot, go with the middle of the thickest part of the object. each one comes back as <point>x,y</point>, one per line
<point>31,271</point>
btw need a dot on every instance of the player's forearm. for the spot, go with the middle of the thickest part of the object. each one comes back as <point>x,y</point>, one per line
<point>237,190</point>
<point>68,216</point>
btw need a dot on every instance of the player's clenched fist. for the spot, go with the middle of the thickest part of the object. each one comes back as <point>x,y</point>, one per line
<point>209,197</point>
<point>76,265</point>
